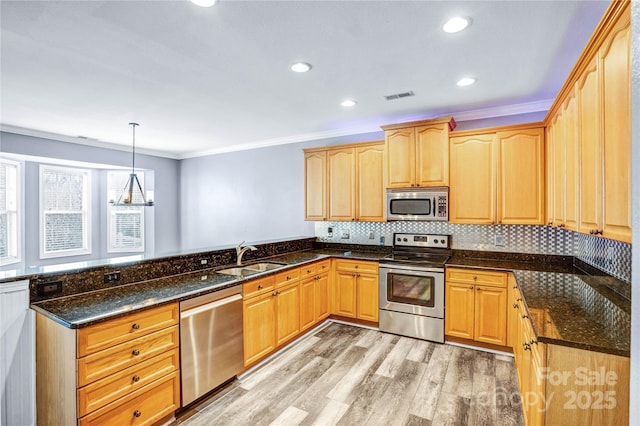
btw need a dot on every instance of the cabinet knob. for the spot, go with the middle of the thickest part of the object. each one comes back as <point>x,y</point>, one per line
<point>137,413</point>
<point>515,287</point>
<point>525,316</point>
<point>561,225</point>
<point>550,223</point>
<point>308,271</point>
<point>475,278</point>
<point>275,293</point>
<point>478,288</point>
<point>353,275</point>
<point>353,219</point>
<point>135,352</point>
<point>136,378</point>
<point>135,326</point>
<point>519,299</point>
<point>515,306</point>
<point>357,275</point>
<point>259,286</point>
<point>288,277</point>
<point>600,231</point>
<point>526,346</point>
<point>324,266</point>
<point>471,287</point>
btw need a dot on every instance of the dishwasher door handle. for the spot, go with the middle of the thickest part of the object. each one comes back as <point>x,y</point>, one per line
<point>195,311</point>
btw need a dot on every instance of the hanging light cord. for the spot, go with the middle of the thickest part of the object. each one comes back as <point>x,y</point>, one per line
<point>133,155</point>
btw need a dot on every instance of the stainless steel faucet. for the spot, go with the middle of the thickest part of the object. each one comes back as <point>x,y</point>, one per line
<point>240,250</point>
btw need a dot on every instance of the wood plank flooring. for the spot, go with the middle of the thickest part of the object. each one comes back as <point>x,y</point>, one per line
<point>346,375</point>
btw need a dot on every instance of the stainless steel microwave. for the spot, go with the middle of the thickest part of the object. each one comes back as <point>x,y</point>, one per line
<point>427,204</point>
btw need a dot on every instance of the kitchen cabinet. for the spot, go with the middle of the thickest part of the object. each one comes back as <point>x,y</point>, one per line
<point>123,370</point>
<point>506,184</point>
<point>356,289</point>
<point>417,153</point>
<point>287,307</point>
<point>595,127</point>
<point>259,319</point>
<point>314,294</point>
<point>352,187</point>
<point>476,305</point>
<point>315,181</point>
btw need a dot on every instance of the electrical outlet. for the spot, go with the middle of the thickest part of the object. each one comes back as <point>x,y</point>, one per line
<point>50,288</point>
<point>499,240</point>
<point>329,232</point>
<point>345,235</point>
<point>611,252</point>
<point>203,261</point>
<point>111,277</point>
<point>372,235</point>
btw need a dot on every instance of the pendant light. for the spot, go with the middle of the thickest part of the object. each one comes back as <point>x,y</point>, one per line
<point>133,190</point>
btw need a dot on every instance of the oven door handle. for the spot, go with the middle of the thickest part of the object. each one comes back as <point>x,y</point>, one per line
<point>409,270</point>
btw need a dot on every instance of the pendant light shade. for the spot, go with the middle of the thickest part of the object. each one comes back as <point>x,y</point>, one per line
<point>132,193</point>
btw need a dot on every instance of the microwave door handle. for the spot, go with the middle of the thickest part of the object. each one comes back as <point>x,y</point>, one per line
<point>433,208</point>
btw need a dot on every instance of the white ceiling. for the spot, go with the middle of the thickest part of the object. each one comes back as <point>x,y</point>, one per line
<point>206,80</point>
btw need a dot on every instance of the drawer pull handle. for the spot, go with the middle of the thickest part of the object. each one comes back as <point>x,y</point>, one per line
<point>137,413</point>
<point>136,378</point>
<point>135,326</point>
<point>259,287</point>
<point>135,352</point>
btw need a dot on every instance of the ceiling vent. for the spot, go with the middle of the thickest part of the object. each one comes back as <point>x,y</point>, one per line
<point>400,95</point>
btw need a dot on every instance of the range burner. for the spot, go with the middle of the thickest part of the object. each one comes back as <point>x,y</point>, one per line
<point>420,249</point>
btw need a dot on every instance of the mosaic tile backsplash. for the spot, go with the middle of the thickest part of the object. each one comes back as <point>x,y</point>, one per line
<point>610,256</point>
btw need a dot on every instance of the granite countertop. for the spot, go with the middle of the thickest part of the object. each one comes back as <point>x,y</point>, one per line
<point>567,305</point>
<point>85,309</point>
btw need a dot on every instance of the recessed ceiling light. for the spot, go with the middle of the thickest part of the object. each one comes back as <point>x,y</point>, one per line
<point>204,3</point>
<point>455,25</point>
<point>466,81</point>
<point>348,103</point>
<point>300,67</point>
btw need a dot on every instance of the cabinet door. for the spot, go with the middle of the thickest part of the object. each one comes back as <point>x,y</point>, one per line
<point>491,315</point>
<point>400,145</point>
<point>370,183</point>
<point>616,114</point>
<point>513,293</point>
<point>321,289</point>
<point>341,171</point>
<point>287,313</point>
<point>473,188</point>
<point>550,152</point>
<point>559,172</point>
<point>589,120</point>
<point>367,297</point>
<point>345,294</point>
<point>259,327</point>
<point>432,155</point>
<point>315,190</point>
<point>571,189</point>
<point>307,303</point>
<point>521,177</point>
<point>458,313</point>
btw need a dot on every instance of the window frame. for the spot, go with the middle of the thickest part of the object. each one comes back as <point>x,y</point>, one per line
<point>112,210</point>
<point>18,215</point>
<point>87,241</point>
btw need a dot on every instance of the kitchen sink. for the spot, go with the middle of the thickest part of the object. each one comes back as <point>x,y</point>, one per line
<point>245,271</point>
<point>263,267</point>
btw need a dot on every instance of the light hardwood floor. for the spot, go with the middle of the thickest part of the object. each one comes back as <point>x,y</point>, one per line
<point>348,375</point>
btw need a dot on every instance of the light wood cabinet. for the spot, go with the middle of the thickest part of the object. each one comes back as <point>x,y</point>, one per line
<point>591,120</point>
<point>307,303</point>
<point>259,325</point>
<point>417,153</point>
<point>353,185</point>
<point>342,184</point>
<point>287,312</point>
<point>315,181</point>
<point>355,289</point>
<point>476,305</point>
<point>506,184</point>
<point>123,370</point>
<point>472,195</point>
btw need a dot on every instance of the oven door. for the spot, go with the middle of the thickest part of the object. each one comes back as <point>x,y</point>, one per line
<point>411,290</point>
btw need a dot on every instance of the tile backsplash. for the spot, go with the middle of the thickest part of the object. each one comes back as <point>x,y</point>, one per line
<point>610,256</point>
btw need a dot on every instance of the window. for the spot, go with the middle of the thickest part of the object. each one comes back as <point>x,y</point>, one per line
<point>126,223</point>
<point>64,211</point>
<point>9,232</point>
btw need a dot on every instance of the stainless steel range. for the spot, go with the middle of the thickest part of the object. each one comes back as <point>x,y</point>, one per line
<point>412,286</point>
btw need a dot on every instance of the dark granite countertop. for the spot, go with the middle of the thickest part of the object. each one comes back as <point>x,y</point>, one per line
<point>88,308</point>
<point>568,305</point>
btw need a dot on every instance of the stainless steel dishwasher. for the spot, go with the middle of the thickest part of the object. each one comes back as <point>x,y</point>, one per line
<point>211,342</point>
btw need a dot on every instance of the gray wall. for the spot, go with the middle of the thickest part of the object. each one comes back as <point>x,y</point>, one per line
<point>164,216</point>
<point>635,286</point>
<point>253,195</point>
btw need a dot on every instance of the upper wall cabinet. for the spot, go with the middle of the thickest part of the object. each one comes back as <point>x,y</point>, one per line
<point>589,129</point>
<point>345,183</point>
<point>505,184</point>
<point>418,153</point>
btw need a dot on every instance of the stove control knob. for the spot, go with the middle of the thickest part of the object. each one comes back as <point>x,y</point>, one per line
<point>404,239</point>
<point>399,239</point>
<point>442,241</point>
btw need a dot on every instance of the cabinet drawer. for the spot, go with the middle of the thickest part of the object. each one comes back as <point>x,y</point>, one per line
<point>145,406</point>
<point>308,270</point>
<point>255,287</point>
<point>112,332</point>
<point>104,391</point>
<point>323,266</point>
<point>287,277</point>
<point>357,266</point>
<point>109,361</point>
<point>474,276</point>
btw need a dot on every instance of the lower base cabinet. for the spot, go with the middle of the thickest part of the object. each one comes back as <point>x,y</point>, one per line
<point>356,290</point>
<point>120,371</point>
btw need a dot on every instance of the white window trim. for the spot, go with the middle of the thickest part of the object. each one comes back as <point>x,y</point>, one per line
<point>110,236</point>
<point>65,253</point>
<point>17,258</point>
